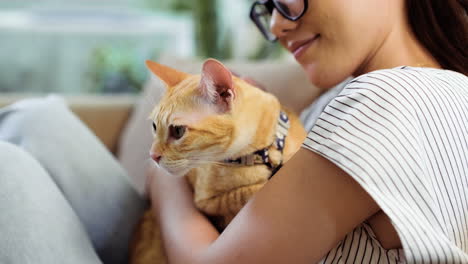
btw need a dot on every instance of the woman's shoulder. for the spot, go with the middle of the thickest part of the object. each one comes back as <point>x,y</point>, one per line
<point>404,84</point>
<point>393,98</point>
<point>406,78</point>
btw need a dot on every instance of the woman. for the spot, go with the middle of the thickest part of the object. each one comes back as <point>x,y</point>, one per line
<point>391,148</point>
<point>384,167</point>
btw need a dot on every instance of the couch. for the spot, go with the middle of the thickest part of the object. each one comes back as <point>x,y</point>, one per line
<point>120,121</point>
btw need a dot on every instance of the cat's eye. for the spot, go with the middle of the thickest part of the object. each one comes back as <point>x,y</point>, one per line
<point>154,127</point>
<point>177,132</point>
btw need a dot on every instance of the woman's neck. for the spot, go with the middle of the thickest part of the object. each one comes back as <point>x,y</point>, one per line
<point>400,47</point>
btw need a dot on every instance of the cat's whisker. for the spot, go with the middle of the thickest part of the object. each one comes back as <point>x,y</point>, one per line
<point>207,155</point>
<point>204,162</point>
<point>177,164</point>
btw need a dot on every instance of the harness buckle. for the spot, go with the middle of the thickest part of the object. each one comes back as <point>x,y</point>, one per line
<point>248,160</point>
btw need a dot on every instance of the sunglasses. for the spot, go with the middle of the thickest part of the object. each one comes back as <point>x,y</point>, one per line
<point>261,12</point>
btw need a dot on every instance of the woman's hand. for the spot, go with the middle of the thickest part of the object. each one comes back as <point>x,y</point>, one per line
<point>184,229</point>
<point>161,185</point>
<point>151,171</point>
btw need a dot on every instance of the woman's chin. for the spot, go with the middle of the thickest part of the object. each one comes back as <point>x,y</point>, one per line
<point>323,78</point>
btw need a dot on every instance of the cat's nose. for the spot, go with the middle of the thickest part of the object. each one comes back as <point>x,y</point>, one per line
<point>155,156</point>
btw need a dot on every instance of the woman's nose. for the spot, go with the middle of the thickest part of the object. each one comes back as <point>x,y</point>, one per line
<point>280,26</point>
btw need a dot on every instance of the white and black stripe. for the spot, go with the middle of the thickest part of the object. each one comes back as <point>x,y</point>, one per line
<point>403,135</point>
<point>361,246</point>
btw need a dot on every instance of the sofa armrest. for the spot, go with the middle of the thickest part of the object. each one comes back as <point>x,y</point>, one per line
<point>105,115</point>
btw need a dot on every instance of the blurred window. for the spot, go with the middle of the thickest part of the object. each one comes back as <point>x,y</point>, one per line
<point>87,47</point>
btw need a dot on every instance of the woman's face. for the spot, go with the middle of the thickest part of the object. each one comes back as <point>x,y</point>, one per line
<point>337,38</point>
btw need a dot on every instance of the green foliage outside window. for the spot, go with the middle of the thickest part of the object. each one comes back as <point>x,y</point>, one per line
<point>116,70</point>
<point>211,39</point>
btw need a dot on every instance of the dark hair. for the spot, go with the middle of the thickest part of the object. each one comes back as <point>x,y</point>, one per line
<point>442,28</point>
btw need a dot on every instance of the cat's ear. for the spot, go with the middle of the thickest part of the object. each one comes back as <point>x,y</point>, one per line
<point>216,84</point>
<point>169,76</point>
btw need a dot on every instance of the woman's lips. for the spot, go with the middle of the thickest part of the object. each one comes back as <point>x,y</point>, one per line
<point>298,48</point>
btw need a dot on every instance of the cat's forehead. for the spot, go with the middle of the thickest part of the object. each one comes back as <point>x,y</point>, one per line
<point>184,88</point>
<point>192,117</point>
<point>166,114</point>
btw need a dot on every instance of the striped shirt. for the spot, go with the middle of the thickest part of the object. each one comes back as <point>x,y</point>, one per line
<point>402,134</point>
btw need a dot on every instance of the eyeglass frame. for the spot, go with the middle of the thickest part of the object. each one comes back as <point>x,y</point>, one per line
<point>271,4</point>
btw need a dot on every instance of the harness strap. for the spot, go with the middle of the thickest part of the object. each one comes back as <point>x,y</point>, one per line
<point>261,156</point>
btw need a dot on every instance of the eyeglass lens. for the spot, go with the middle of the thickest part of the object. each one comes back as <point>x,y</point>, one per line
<point>262,10</point>
<point>263,18</point>
<point>290,8</point>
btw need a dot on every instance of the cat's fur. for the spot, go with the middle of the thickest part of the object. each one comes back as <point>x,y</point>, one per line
<point>225,118</point>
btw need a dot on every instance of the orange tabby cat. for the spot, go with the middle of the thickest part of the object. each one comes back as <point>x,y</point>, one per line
<point>225,135</point>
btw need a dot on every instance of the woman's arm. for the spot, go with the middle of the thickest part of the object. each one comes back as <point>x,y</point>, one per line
<point>297,217</point>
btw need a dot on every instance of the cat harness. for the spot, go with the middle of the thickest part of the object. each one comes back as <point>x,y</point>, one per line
<point>262,156</point>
